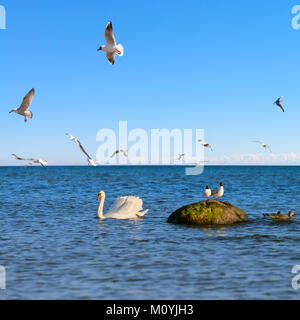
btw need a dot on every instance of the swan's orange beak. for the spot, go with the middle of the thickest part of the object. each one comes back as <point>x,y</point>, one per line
<point>99,197</point>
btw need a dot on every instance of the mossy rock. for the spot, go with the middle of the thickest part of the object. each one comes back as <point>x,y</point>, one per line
<point>210,212</point>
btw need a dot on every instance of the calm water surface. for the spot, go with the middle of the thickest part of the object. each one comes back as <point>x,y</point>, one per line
<point>53,247</point>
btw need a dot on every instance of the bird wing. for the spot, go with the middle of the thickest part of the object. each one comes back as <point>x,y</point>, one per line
<point>34,160</point>
<point>115,153</point>
<point>82,149</point>
<point>69,135</point>
<point>258,142</point>
<point>18,158</point>
<point>111,58</point>
<point>27,101</point>
<point>124,152</point>
<point>117,204</point>
<point>129,204</point>
<point>280,106</point>
<point>269,148</point>
<point>109,35</point>
<point>209,146</point>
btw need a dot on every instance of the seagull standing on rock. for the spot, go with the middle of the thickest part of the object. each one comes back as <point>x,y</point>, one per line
<point>111,47</point>
<point>218,193</point>
<point>23,110</point>
<point>207,192</point>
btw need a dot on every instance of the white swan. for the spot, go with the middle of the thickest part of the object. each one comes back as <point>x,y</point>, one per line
<point>129,207</point>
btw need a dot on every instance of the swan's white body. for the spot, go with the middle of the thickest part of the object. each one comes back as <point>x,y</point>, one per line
<point>129,207</point>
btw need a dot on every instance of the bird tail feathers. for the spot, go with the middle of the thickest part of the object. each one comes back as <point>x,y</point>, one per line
<point>141,214</point>
<point>120,49</point>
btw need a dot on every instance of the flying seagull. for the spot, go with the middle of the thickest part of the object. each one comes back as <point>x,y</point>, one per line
<point>263,145</point>
<point>278,103</point>
<point>91,162</point>
<point>37,161</point>
<point>23,110</point>
<point>120,151</point>
<point>111,47</point>
<point>205,145</point>
<point>180,156</point>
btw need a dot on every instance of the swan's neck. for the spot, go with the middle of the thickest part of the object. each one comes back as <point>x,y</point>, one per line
<point>100,208</point>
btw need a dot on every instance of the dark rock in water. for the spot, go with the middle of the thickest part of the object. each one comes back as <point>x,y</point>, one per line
<point>210,212</point>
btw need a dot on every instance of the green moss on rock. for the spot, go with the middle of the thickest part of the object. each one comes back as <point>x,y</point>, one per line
<point>210,212</point>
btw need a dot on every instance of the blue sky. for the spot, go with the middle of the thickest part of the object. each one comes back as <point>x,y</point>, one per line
<point>213,65</point>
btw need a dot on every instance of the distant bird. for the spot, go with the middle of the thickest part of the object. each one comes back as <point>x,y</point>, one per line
<point>205,145</point>
<point>218,193</point>
<point>199,163</point>
<point>279,216</point>
<point>71,137</point>
<point>181,156</point>
<point>23,110</point>
<point>278,103</point>
<point>207,192</point>
<point>91,162</point>
<point>263,145</point>
<point>37,161</point>
<point>111,47</point>
<point>120,151</point>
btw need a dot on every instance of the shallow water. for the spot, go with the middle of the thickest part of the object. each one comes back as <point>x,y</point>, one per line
<point>53,247</point>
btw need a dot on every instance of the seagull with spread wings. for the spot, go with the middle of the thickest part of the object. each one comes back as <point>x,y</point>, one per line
<point>111,47</point>
<point>91,162</point>
<point>23,110</point>
<point>33,160</point>
<point>263,145</point>
<point>278,103</point>
<point>120,151</point>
